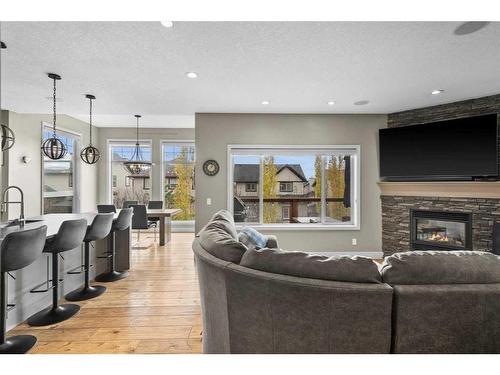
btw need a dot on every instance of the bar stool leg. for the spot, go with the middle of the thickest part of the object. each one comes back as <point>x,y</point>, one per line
<point>15,344</point>
<point>87,292</point>
<point>55,313</point>
<point>112,274</point>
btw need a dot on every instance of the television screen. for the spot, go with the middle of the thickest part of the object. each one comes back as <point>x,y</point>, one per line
<point>456,149</point>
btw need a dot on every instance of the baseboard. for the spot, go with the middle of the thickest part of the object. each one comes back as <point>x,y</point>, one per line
<point>368,254</point>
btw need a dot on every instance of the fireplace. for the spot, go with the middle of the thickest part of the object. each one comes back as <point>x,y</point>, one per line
<point>440,230</point>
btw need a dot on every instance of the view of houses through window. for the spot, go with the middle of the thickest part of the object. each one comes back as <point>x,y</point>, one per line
<point>124,186</point>
<point>287,186</point>
<point>59,176</point>
<point>179,181</point>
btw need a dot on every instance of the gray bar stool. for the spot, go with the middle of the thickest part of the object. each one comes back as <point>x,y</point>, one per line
<point>99,229</point>
<point>18,250</point>
<point>69,237</point>
<point>122,222</point>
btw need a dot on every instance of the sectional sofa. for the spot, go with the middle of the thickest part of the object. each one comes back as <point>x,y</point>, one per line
<point>273,301</point>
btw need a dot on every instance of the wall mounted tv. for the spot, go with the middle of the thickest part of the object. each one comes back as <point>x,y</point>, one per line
<point>459,149</point>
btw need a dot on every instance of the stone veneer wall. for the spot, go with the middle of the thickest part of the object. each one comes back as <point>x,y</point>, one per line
<point>396,219</point>
<point>396,209</point>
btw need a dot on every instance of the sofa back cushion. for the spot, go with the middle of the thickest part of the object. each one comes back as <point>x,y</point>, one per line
<point>295,263</point>
<point>441,267</point>
<point>220,238</point>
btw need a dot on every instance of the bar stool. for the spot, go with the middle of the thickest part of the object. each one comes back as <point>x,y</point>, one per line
<point>106,208</point>
<point>69,236</point>
<point>122,222</point>
<point>18,250</point>
<point>99,229</point>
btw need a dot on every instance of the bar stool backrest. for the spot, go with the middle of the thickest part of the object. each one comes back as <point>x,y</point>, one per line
<point>127,204</point>
<point>124,219</point>
<point>69,236</point>
<point>140,218</point>
<point>100,227</point>
<point>106,208</point>
<point>20,249</point>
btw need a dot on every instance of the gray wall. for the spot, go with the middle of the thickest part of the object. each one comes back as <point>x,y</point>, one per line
<point>27,128</point>
<point>215,131</point>
<point>155,135</point>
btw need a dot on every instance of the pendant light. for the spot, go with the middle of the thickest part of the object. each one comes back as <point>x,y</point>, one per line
<point>8,137</point>
<point>90,154</point>
<point>136,165</point>
<point>53,147</point>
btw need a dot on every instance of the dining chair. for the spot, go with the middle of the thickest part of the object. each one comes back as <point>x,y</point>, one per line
<point>155,221</point>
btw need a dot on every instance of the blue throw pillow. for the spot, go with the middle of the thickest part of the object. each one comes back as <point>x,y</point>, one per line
<point>252,239</point>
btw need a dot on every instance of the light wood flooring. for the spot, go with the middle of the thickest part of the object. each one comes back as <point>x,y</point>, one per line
<point>155,310</point>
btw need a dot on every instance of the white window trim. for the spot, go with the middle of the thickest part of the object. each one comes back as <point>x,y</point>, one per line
<point>186,225</point>
<point>355,185</point>
<point>77,167</point>
<point>117,141</point>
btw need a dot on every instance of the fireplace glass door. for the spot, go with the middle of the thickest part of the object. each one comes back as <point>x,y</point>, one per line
<point>440,230</point>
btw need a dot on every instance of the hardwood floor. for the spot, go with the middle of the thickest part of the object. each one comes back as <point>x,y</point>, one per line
<point>155,310</point>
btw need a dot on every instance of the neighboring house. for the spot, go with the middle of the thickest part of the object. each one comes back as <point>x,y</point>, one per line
<point>291,185</point>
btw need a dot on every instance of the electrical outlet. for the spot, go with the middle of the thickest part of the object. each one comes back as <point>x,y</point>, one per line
<point>354,242</point>
<point>209,201</point>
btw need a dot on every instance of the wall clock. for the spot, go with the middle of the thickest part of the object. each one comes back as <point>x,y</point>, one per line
<point>211,167</point>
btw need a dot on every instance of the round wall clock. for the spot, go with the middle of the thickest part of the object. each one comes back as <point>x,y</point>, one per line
<point>211,167</point>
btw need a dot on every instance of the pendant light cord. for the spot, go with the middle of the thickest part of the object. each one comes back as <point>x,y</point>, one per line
<point>54,120</point>
<point>90,122</point>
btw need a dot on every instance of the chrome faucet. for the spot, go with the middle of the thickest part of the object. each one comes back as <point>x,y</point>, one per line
<point>5,202</point>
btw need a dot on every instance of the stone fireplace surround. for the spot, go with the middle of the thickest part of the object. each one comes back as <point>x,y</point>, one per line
<point>481,199</point>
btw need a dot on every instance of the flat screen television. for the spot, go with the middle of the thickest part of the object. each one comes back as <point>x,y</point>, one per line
<point>459,149</point>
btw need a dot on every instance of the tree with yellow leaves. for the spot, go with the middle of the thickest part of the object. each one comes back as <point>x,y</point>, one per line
<point>336,184</point>
<point>181,196</point>
<point>270,181</point>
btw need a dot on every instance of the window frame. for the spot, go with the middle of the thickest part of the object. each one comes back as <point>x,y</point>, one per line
<point>261,150</point>
<point>286,183</point>
<point>253,190</point>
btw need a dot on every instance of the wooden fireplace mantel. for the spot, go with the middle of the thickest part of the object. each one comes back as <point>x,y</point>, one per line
<point>467,189</point>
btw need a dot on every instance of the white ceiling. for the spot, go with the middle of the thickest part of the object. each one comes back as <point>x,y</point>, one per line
<point>139,67</point>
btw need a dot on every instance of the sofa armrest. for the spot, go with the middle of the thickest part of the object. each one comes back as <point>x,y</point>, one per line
<point>272,241</point>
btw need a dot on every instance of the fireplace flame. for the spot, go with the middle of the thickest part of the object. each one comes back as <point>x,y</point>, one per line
<point>439,238</point>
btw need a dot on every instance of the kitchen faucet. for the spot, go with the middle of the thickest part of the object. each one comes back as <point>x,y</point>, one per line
<point>5,202</point>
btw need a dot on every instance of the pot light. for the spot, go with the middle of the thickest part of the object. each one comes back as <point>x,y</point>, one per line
<point>192,75</point>
<point>266,102</point>
<point>331,102</point>
<point>436,92</point>
<point>168,24</point>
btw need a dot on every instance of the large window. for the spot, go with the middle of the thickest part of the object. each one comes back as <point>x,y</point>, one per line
<point>60,177</point>
<point>124,186</point>
<point>178,178</point>
<point>295,185</point>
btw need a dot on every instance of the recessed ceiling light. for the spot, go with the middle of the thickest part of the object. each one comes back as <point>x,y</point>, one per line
<point>192,75</point>
<point>168,24</point>
<point>436,92</point>
<point>266,102</point>
<point>331,102</point>
<point>470,27</point>
<point>362,102</point>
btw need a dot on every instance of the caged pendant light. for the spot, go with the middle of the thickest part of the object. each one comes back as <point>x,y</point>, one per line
<point>8,136</point>
<point>136,165</point>
<point>90,154</point>
<point>53,147</point>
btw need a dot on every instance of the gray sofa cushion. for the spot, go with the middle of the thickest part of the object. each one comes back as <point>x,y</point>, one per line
<point>441,267</point>
<point>220,239</point>
<point>295,263</point>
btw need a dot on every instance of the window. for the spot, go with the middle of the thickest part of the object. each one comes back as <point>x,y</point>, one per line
<point>60,184</point>
<point>286,187</point>
<point>178,178</point>
<point>251,187</point>
<point>124,186</point>
<point>296,185</point>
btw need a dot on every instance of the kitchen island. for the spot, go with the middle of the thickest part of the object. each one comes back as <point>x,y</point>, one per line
<point>25,279</point>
